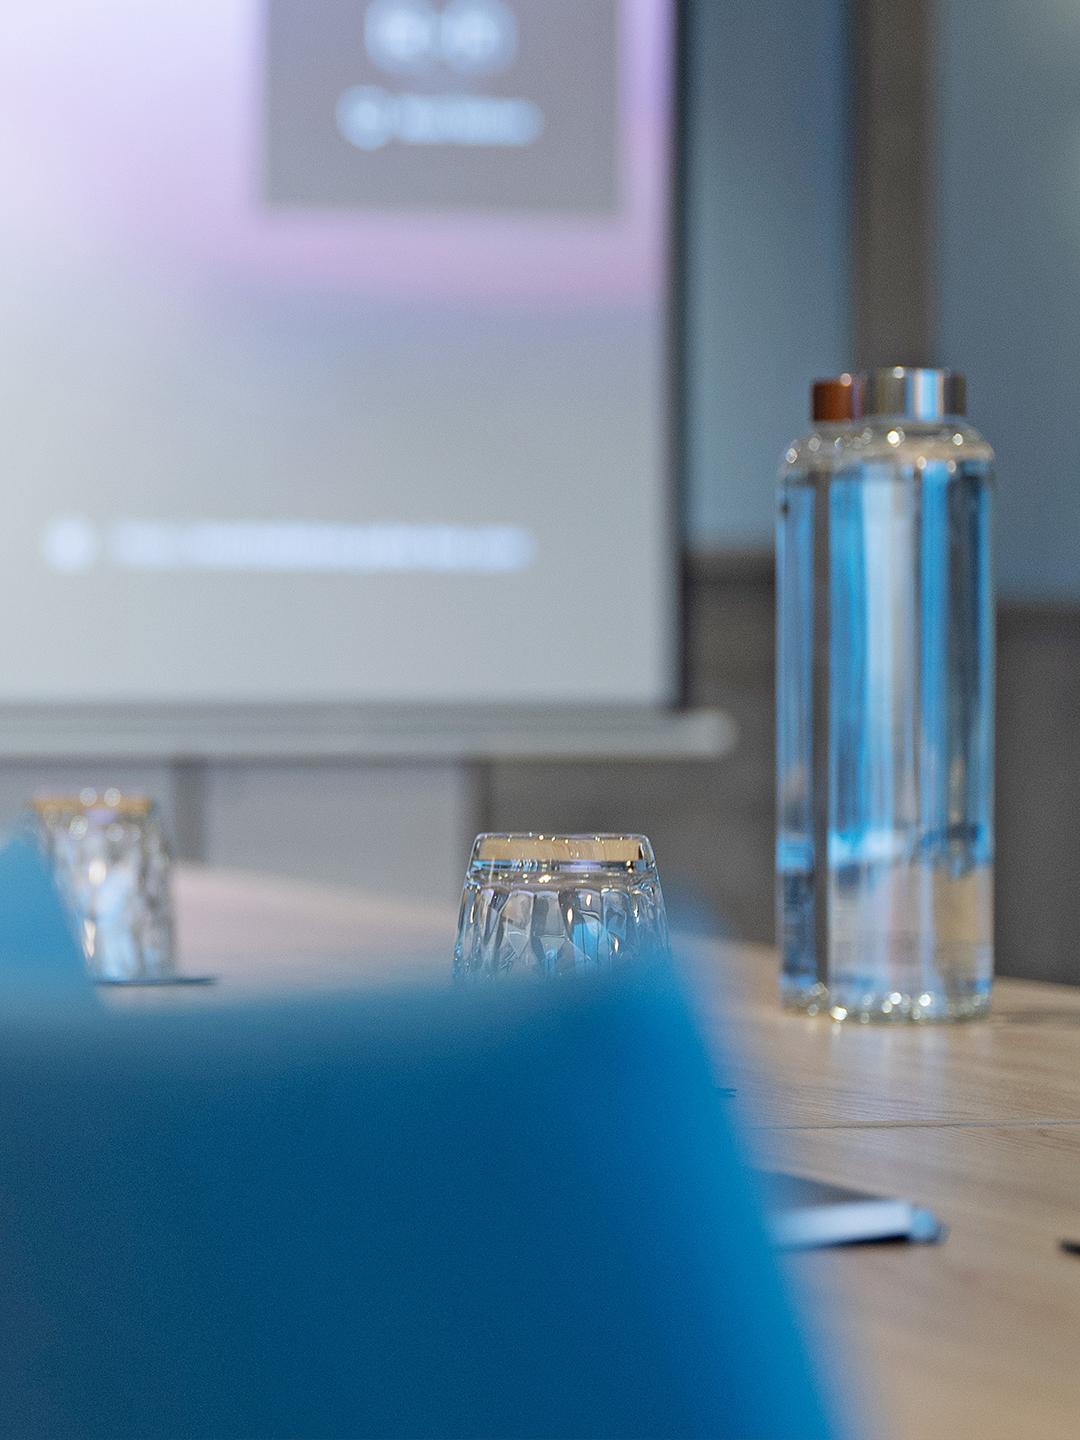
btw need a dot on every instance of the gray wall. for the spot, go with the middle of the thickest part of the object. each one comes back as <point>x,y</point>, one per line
<point>1008,93</point>
<point>711,822</point>
<point>990,195</point>
<point>768,271</point>
<point>394,828</point>
<point>1007,85</point>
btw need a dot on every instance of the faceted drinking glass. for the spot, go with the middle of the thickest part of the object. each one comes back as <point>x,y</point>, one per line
<point>559,905</point>
<point>111,864</point>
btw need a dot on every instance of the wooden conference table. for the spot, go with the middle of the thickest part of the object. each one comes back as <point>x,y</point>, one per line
<point>979,1337</point>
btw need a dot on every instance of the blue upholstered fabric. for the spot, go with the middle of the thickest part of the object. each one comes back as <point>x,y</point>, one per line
<point>511,1214</point>
<point>41,963</point>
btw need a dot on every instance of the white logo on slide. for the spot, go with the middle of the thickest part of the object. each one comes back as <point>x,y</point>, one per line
<point>71,544</point>
<point>367,117</point>
<point>402,35</point>
<point>413,37</point>
<point>479,37</point>
<point>370,117</point>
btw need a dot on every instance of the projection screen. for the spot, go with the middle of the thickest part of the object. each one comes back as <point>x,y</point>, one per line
<point>335,351</point>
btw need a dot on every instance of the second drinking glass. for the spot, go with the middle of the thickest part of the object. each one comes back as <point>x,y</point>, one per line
<point>559,905</point>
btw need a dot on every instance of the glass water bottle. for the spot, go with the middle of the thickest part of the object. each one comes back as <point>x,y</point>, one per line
<point>885,696</point>
<point>808,467</point>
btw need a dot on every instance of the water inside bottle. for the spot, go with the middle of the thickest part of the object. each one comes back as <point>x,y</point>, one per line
<point>909,838</point>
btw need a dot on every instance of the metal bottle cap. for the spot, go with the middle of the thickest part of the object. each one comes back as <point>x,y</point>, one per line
<point>914,393</point>
<point>835,399</point>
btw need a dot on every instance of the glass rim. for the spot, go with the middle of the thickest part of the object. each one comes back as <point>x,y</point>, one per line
<point>526,849</point>
<point>86,802</point>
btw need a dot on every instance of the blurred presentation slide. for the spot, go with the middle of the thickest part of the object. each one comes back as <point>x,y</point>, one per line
<point>334,351</point>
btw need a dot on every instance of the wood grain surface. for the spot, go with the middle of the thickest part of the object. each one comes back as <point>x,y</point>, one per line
<point>977,1337</point>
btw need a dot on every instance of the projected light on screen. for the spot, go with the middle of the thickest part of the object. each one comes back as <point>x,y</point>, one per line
<point>414,37</point>
<point>468,40</point>
<point>335,336</point>
<point>72,545</point>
